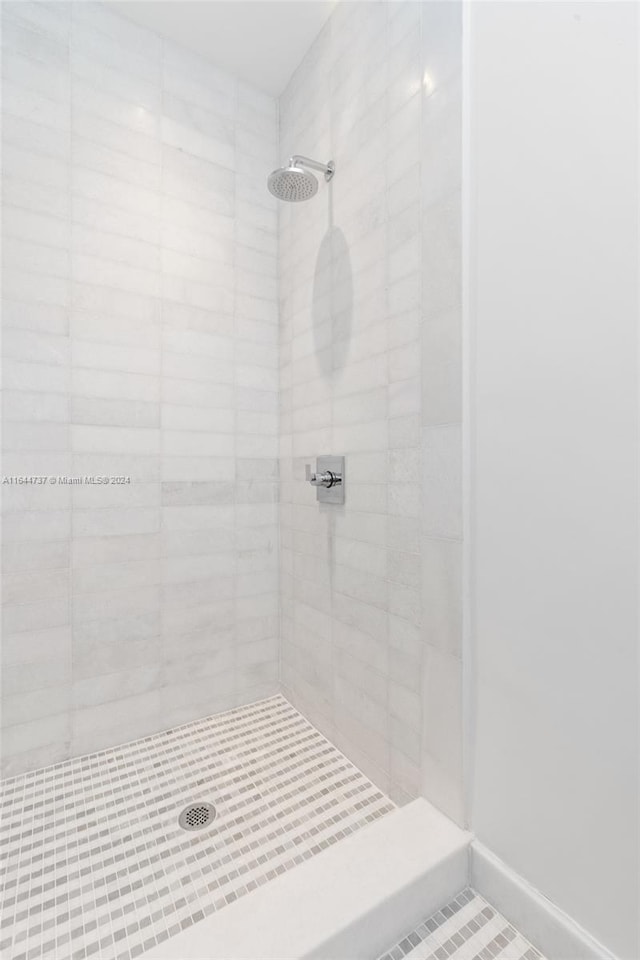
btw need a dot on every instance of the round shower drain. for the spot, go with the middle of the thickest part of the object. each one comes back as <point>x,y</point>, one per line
<point>197,816</point>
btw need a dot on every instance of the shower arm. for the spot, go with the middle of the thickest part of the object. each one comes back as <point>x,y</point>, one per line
<point>327,168</point>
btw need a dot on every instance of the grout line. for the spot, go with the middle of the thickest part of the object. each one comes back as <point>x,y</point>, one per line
<point>92,843</point>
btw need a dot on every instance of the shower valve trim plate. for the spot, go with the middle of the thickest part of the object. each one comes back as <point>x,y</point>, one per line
<point>327,478</point>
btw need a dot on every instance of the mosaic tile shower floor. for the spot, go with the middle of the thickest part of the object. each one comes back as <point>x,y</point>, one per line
<point>468,928</point>
<point>95,864</point>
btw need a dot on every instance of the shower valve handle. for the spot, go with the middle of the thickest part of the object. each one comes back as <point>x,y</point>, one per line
<point>326,479</point>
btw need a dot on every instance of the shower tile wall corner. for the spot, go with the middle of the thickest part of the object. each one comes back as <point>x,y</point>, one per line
<point>140,339</point>
<point>370,357</point>
<point>142,262</point>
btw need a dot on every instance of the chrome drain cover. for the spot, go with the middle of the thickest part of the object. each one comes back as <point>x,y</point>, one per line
<point>197,816</point>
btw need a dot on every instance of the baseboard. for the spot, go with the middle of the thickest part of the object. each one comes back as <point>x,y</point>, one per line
<point>548,928</point>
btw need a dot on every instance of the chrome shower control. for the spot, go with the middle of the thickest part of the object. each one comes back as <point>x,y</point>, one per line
<point>327,478</point>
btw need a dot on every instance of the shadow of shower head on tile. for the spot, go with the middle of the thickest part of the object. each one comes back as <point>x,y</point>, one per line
<point>332,305</point>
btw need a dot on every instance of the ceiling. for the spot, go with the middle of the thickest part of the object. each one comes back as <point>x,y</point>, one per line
<point>260,41</point>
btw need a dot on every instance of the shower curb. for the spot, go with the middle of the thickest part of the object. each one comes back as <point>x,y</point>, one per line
<point>351,900</point>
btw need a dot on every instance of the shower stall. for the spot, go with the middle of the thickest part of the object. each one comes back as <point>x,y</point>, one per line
<point>272,686</point>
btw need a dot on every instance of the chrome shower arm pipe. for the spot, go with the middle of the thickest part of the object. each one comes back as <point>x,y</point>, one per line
<point>327,168</point>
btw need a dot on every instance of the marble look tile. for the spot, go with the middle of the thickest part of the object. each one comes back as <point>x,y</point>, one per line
<point>468,927</point>
<point>140,341</point>
<point>370,367</point>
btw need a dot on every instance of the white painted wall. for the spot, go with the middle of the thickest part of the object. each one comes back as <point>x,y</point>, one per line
<point>553,310</point>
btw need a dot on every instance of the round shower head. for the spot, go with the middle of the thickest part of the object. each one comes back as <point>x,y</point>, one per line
<point>292,183</point>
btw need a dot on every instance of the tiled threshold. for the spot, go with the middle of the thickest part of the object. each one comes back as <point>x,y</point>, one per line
<point>96,865</point>
<point>467,928</point>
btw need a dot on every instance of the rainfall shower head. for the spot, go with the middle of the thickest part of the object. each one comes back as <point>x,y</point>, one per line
<point>294,183</point>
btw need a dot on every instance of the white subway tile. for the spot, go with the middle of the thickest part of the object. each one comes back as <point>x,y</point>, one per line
<point>48,76</point>
<point>32,106</point>
<point>37,288</point>
<point>114,522</point>
<point>51,407</point>
<point>90,99</point>
<point>35,555</point>
<point>31,226</point>
<point>182,417</point>
<point>35,168</point>
<point>20,587</point>
<point>115,32</point>
<point>39,198</point>
<point>37,525</point>
<point>120,440</point>
<point>114,163</point>
<point>126,54</point>
<point>116,412</point>
<point>52,644</point>
<point>86,382</point>
<point>112,549</point>
<point>36,615</point>
<point>35,347</point>
<point>113,604</point>
<point>191,443</point>
<point>103,356</point>
<point>18,436</point>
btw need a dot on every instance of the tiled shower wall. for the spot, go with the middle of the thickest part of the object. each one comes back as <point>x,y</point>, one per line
<point>140,340</point>
<point>371,368</point>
